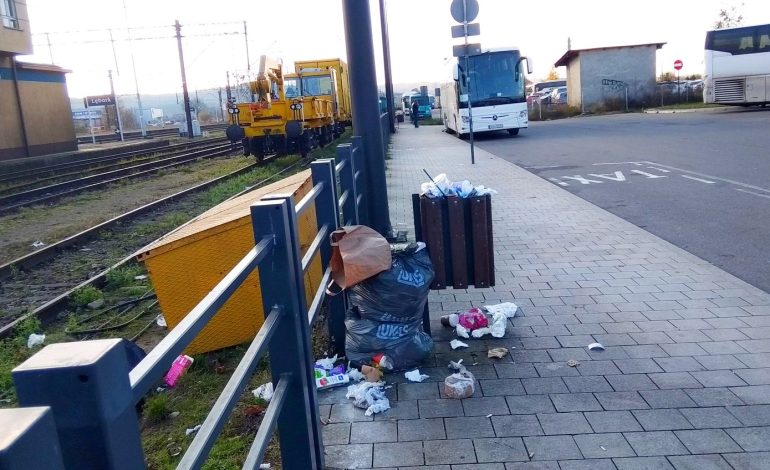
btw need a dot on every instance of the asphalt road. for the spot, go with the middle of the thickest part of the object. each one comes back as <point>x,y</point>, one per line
<point>698,180</point>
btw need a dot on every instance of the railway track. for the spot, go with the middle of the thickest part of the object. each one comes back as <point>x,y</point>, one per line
<point>42,172</point>
<point>133,135</point>
<point>48,300</point>
<point>79,171</point>
<point>52,192</point>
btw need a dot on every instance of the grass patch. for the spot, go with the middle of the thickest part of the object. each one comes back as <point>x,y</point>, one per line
<point>123,276</point>
<point>431,122</point>
<point>690,105</point>
<point>85,295</point>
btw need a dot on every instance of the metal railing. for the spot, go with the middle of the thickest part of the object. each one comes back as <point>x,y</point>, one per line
<point>79,398</point>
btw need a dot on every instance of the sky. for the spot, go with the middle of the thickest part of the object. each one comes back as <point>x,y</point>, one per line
<point>420,40</point>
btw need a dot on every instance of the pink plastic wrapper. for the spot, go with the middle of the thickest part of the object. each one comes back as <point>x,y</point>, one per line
<point>473,319</point>
<point>178,368</point>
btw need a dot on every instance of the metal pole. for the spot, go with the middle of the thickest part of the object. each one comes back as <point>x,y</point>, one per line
<point>366,114</point>
<point>114,54</point>
<point>117,109</point>
<point>185,94</point>
<point>678,87</point>
<point>221,110</point>
<point>468,81</point>
<point>626,98</point>
<point>91,125</point>
<point>228,89</point>
<point>50,49</point>
<point>136,81</point>
<point>23,126</point>
<point>246,37</point>
<point>386,63</point>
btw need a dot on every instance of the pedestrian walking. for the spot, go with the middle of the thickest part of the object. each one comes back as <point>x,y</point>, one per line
<point>415,111</point>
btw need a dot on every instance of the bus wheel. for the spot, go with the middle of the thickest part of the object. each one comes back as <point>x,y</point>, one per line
<point>513,131</point>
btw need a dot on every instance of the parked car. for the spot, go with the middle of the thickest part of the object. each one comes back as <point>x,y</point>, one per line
<point>559,95</point>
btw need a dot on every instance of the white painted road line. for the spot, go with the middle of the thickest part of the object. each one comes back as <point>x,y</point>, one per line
<point>560,183</point>
<point>725,180</point>
<point>751,192</point>
<point>619,163</point>
<point>698,179</point>
<point>658,169</point>
<point>648,175</point>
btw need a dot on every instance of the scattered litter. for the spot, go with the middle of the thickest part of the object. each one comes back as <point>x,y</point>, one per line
<point>460,384</point>
<point>160,389</point>
<point>35,340</point>
<point>499,322</point>
<point>489,415</point>
<point>573,363</point>
<point>173,414</point>
<point>327,362</point>
<point>473,319</point>
<point>596,347</point>
<point>140,277</point>
<point>478,333</point>
<point>38,244</point>
<point>254,410</point>
<point>507,308</point>
<point>415,376</point>
<point>96,304</point>
<point>355,374</point>
<point>325,421</point>
<point>383,361</point>
<point>461,331</point>
<point>264,466</point>
<point>193,430</point>
<point>174,449</point>
<point>497,352</point>
<point>264,391</point>
<point>531,454</point>
<point>455,365</point>
<point>372,374</point>
<point>331,381</point>
<point>603,448</point>
<point>441,186</point>
<point>161,321</point>
<point>178,368</point>
<point>450,321</point>
<point>456,343</point>
<point>369,396</point>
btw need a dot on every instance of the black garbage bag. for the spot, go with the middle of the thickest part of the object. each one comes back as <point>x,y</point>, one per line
<point>398,294</point>
<point>387,310</point>
<point>405,344</point>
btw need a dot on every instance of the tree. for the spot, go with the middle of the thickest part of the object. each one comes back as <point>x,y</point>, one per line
<point>729,18</point>
<point>667,77</point>
<point>695,76</point>
<point>128,116</point>
<point>553,74</point>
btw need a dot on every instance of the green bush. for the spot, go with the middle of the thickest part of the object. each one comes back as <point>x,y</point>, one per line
<point>86,295</point>
<point>157,408</point>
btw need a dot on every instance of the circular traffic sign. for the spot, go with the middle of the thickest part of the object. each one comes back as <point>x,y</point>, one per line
<point>233,110</point>
<point>678,64</point>
<point>466,14</point>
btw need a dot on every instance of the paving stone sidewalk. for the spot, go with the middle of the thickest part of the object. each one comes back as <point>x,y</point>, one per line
<point>684,381</point>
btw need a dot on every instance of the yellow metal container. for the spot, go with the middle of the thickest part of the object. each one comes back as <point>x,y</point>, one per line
<point>186,264</point>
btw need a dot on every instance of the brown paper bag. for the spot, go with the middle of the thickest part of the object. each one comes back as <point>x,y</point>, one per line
<point>358,253</point>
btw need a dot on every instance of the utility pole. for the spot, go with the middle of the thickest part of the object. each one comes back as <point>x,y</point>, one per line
<point>117,109</point>
<point>229,90</point>
<point>386,63</point>
<point>185,94</point>
<point>246,37</point>
<point>114,54</point>
<point>366,112</point>
<point>221,110</point>
<point>50,49</point>
<point>133,65</point>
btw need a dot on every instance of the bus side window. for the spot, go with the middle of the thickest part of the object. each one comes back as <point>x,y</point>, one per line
<point>747,42</point>
<point>764,41</point>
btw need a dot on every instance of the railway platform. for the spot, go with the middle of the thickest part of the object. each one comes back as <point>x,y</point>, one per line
<point>683,382</point>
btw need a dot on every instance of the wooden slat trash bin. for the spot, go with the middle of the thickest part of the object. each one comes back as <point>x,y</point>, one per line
<point>458,233</point>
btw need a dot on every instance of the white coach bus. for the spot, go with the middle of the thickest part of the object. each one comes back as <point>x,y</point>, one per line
<point>738,66</point>
<point>496,93</point>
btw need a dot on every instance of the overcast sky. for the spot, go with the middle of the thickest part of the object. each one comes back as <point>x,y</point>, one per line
<point>306,29</point>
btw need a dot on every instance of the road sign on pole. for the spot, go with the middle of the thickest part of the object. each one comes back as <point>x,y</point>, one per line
<point>465,11</point>
<point>678,64</point>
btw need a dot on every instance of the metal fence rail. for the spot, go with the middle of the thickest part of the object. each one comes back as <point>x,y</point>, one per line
<point>80,397</point>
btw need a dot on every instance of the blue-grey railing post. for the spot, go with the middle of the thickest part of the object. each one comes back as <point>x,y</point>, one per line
<point>360,170</point>
<point>348,182</point>
<point>28,439</point>
<point>282,284</point>
<point>327,211</point>
<point>86,385</point>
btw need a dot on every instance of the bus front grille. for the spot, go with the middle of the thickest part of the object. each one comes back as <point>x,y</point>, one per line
<point>730,90</point>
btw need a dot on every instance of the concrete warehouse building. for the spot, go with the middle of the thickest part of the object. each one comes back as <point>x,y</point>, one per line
<point>601,76</point>
<point>35,113</point>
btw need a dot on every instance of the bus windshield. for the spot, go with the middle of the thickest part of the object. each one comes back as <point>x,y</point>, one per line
<point>495,78</point>
<point>421,100</point>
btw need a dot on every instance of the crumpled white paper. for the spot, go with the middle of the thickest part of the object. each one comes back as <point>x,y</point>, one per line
<point>415,376</point>
<point>264,391</point>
